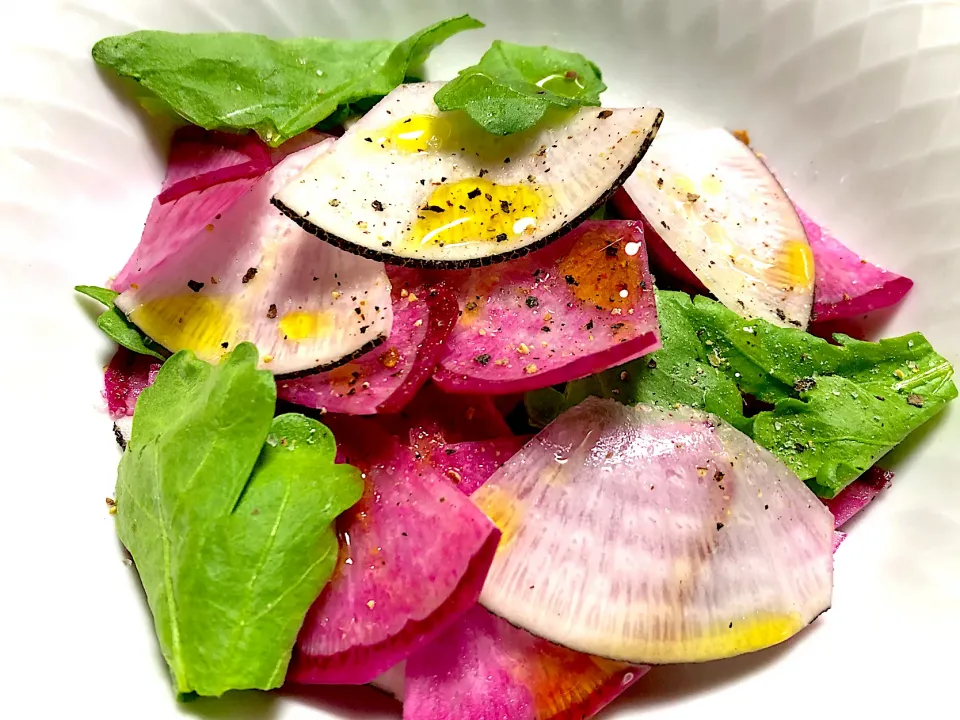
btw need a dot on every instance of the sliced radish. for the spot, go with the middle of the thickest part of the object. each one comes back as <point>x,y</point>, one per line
<point>392,681</point>
<point>468,465</point>
<point>483,667</point>
<point>254,276</point>
<point>410,185</point>
<point>125,377</point>
<point>846,284</point>
<point>858,494</point>
<point>654,536</point>
<point>723,213</point>
<point>414,554</point>
<point>386,379</point>
<point>582,305</point>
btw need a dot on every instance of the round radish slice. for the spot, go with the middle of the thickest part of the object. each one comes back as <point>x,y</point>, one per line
<point>723,213</point>
<point>386,379</point>
<point>649,536</point>
<point>483,667</point>
<point>410,185</point>
<point>414,554</point>
<point>254,276</point>
<point>582,305</point>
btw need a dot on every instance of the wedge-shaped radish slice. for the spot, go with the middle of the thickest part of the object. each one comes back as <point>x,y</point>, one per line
<point>386,379</point>
<point>582,305</point>
<point>858,494</point>
<point>847,285</point>
<point>413,186</point>
<point>723,213</point>
<point>483,667</point>
<point>125,377</point>
<point>468,465</point>
<point>414,554</point>
<point>649,536</point>
<point>254,276</point>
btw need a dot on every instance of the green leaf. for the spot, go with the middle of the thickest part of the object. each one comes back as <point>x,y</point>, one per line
<point>228,513</point>
<point>278,88</point>
<point>115,325</point>
<point>837,408</point>
<point>513,86</point>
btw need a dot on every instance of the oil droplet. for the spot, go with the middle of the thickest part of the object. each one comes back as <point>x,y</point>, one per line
<point>299,325</point>
<point>417,133</point>
<point>794,265</point>
<point>477,210</point>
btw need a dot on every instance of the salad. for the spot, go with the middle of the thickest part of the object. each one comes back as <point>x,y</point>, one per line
<point>478,390</point>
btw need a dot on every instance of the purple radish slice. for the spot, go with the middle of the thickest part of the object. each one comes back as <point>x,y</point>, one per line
<point>846,284</point>
<point>468,465</point>
<point>411,185</point>
<point>125,377</point>
<point>483,667</point>
<point>254,276</point>
<point>725,216</point>
<point>387,378</point>
<point>856,496</point>
<point>653,536</point>
<point>414,555</point>
<point>579,306</point>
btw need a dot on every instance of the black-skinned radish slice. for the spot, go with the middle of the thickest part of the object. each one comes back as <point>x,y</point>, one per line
<point>252,275</point>
<point>387,378</point>
<point>577,307</point>
<point>483,667</point>
<point>410,185</point>
<point>654,536</point>
<point>723,213</point>
<point>414,554</point>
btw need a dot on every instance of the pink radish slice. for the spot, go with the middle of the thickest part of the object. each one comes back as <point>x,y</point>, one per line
<point>468,465</point>
<point>856,496</point>
<point>125,377</point>
<point>385,379</point>
<point>199,160</point>
<point>206,174</point>
<point>414,555</point>
<point>483,667</point>
<point>652,536</point>
<point>847,285</point>
<point>581,305</point>
<point>251,275</point>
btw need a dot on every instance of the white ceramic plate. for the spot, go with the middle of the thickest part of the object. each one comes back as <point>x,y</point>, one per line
<point>857,104</point>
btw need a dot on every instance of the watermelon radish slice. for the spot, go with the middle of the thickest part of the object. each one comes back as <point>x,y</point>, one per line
<point>254,276</point>
<point>858,494</point>
<point>653,536</point>
<point>483,667</point>
<point>200,159</point>
<point>386,379</point>
<point>468,465</point>
<point>207,172</point>
<point>577,307</point>
<point>722,212</point>
<point>414,555</point>
<point>411,185</point>
<point>435,417</point>
<point>125,377</point>
<point>847,285</point>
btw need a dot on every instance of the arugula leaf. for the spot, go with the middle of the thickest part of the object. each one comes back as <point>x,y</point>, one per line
<point>513,86</point>
<point>228,513</point>
<point>115,325</point>
<point>278,88</point>
<point>837,408</point>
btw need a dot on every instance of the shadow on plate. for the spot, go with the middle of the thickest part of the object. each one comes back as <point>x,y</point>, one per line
<point>362,702</point>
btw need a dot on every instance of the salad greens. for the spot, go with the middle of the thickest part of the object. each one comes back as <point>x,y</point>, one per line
<point>278,88</point>
<point>115,325</point>
<point>513,86</point>
<point>836,408</point>
<point>228,513</point>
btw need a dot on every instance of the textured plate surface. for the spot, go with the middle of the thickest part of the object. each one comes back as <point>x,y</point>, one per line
<point>857,104</point>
